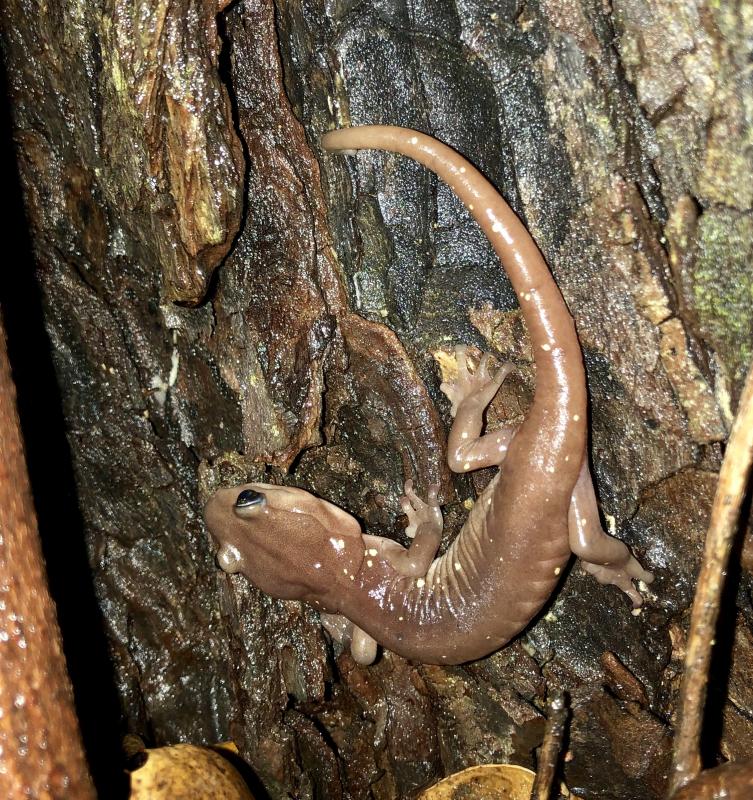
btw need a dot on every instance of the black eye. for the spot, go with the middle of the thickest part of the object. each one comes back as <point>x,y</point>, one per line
<point>248,498</point>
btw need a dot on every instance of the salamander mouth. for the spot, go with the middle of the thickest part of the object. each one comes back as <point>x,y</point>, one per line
<point>216,516</point>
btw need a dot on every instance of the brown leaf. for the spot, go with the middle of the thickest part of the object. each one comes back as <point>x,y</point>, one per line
<point>187,771</point>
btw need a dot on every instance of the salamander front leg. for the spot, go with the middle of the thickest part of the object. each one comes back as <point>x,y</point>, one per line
<point>470,393</point>
<point>424,527</point>
<point>363,648</point>
<point>603,556</point>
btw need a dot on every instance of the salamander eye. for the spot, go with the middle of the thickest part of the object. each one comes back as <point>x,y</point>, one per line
<point>248,499</point>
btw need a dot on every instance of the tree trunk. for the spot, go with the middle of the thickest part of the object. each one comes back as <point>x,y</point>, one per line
<point>225,302</point>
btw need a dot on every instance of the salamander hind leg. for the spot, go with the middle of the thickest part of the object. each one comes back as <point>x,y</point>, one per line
<point>608,559</point>
<point>477,387</point>
<point>610,575</point>
<point>470,393</point>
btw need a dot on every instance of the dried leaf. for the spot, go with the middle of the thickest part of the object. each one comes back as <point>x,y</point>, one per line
<point>498,781</point>
<point>186,771</point>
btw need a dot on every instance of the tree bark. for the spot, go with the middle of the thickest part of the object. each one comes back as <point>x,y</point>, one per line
<point>225,302</point>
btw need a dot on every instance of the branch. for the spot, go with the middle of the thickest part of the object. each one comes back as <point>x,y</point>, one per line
<point>733,478</point>
<point>42,753</point>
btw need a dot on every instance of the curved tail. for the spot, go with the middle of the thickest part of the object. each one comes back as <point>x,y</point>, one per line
<point>560,399</point>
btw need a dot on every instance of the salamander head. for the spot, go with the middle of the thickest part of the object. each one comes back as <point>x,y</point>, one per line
<point>287,542</point>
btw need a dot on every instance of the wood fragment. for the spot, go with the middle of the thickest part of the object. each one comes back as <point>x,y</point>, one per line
<point>549,753</point>
<point>622,681</point>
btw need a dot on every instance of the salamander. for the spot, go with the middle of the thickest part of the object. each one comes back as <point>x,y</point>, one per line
<point>538,509</point>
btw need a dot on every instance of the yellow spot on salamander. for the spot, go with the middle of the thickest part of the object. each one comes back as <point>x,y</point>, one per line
<point>420,582</point>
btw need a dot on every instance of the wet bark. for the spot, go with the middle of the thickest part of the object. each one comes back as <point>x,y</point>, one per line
<point>223,301</point>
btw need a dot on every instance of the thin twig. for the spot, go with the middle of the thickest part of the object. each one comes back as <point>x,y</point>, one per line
<point>549,752</point>
<point>733,478</point>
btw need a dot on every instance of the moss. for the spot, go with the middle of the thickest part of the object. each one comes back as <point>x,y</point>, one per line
<point>723,286</point>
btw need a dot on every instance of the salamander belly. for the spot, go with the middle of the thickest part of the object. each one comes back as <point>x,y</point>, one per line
<point>456,613</point>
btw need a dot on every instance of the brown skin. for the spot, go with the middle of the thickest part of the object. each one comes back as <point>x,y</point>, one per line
<point>507,560</point>
<point>280,538</point>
